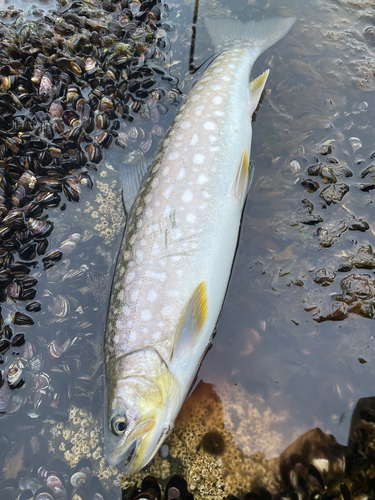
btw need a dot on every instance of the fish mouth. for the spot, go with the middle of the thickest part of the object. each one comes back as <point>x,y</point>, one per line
<point>131,454</point>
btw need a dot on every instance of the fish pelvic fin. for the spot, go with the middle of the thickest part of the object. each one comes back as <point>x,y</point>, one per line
<point>132,177</point>
<point>256,88</point>
<point>243,178</point>
<point>191,323</point>
<point>231,33</point>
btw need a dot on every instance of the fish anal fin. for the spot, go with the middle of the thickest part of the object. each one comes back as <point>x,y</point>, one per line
<point>256,88</point>
<point>192,321</point>
<point>243,178</point>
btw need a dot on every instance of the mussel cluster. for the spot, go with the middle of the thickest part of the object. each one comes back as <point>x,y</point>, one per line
<point>73,83</point>
<point>41,478</point>
<point>58,364</point>
<point>176,489</point>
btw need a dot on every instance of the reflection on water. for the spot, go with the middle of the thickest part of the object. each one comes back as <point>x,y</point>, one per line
<point>294,347</point>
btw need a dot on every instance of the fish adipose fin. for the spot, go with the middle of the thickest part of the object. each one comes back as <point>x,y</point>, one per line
<point>191,323</point>
<point>256,88</point>
<point>231,33</point>
<point>132,176</point>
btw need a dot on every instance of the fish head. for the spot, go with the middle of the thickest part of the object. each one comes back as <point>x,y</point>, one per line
<point>139,411</point>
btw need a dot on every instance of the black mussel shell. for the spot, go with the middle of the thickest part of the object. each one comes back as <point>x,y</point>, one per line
<point>33,307</point>
<point>6,277</point>
<point>18,340</point>
<point>22,319</point>
<point>4,346</point>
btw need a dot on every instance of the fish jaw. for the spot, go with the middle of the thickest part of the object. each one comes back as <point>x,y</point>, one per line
<point>147,401</point>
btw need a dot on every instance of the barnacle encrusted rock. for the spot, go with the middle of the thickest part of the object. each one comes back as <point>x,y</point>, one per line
<point>217,441</point>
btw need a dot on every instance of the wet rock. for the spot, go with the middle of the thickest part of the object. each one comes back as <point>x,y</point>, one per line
<point>324,277</point>
<point>368,171</point>
<point>365,187</point>
<point>329,234</point>
<point>311,461</point>
<point>358,297</point>
<point>325,172</point>
<point>334,193</point>
<point>310,185</point>
<point>337,312</point>
<point>305,215</point>
<point>364,258</point>
<point>362,429</point>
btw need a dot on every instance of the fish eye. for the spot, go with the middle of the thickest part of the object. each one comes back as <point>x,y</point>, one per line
<point>118,425</point>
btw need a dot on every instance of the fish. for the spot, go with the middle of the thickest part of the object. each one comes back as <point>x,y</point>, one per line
<point>175,259</point>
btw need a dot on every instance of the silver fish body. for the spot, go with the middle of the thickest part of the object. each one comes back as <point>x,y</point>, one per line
<point>176,256</point>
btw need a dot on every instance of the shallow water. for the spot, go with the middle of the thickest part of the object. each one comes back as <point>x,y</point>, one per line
<point>277,370</point>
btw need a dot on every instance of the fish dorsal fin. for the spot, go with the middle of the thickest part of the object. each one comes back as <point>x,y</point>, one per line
<point>243,178</point>
<point>256,88</point>
<point>132,176</point>
<point>191,323</point>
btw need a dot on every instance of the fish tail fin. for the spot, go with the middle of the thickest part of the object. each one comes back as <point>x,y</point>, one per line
<point>231,33</point>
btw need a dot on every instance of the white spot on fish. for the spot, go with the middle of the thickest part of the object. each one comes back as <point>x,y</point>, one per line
<point>199,110</point>
<point>226,78</point>
<point>212,138</point>
<point>174,155</point>
<point>157,276</point>
<point>149,213</point>
<point>194,140</point>
<point>176,258</point>
<point>219,113</point>
<point>155,249</point>
<point>216,87</point>
<point>133,336</point>
<point>146,315</point>
<point>202,179</point>
<point>180,137</point>
<point>173,293</point>
<point>152,295</point>
<point>200,87</point>
<point>166,311</point>
<point>127,311</point>
<point>218,70</point>
<point>186,124</point>
<point>231,66</point>
<point>157,203</point>
<point>198,159</point>
<point>181,174</point>
<point>162,262</point>
<point>134,295</point>
<point>167,192</point>
<point>187,196</point>
<point>217,100</point>
<point>156,335</point>
<point>215,148</point>
<point>145,330</point>
<point>179,272</point>
<point>209,125</point>
<point>176,234</point>
<point>130,277</point>
<point>191,218</point>
<point>167,211</point>
<point>195,97</point>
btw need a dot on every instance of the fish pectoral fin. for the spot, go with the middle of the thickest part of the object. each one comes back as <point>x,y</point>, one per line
<point>256,88</point>
<point>191,323</point>
<point>244,177</point>
<point>132,176</point>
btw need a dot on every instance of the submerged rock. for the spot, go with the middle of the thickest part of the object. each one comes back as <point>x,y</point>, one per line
<point>334,193</point>
<point>330,233</point>
<point>364,258</point>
